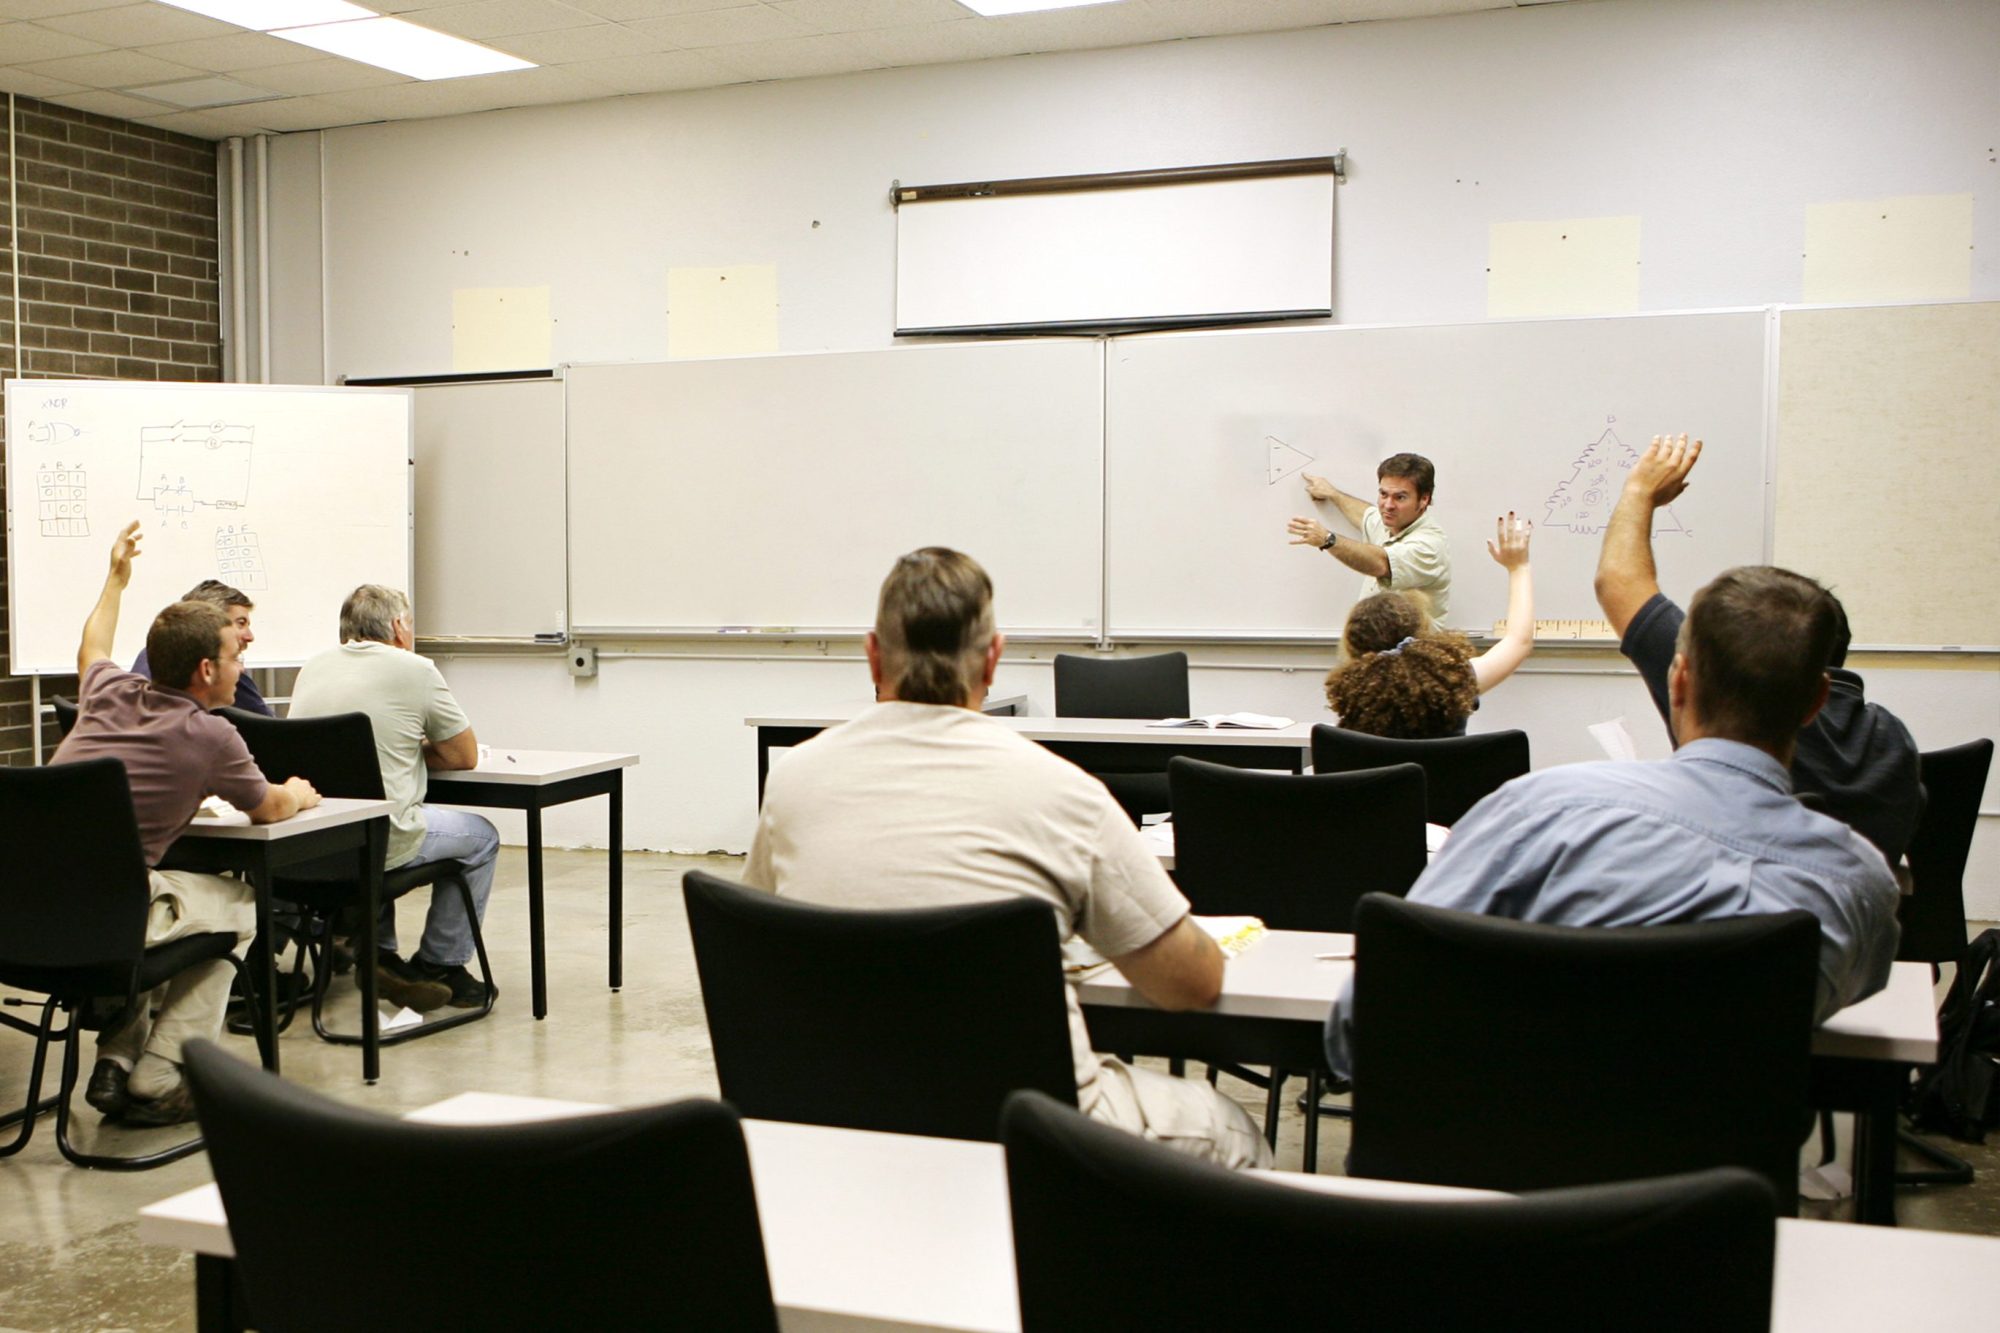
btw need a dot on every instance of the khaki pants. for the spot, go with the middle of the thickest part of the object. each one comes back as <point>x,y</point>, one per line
<point>1186,1115</point>
<point>189,1005</point>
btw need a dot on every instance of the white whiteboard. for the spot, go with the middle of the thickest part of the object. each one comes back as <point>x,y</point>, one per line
<point>294,495</point>
<point>1211,249</point>
<point>773,493</point>
<point>1206,435</point>
<point>491,556</point>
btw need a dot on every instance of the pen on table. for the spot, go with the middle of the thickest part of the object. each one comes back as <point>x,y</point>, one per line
<point>1337,954</point>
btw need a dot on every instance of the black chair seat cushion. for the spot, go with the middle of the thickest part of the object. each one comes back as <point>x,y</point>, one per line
<point>74,983</point>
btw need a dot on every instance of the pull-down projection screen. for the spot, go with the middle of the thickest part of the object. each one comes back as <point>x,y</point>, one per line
<point>1204,245</point>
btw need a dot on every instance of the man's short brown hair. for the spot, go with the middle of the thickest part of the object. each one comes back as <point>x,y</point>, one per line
<point>1414,468</point>
<point>182,637</point>
<point>215,590</point>
<point>1757,640</point>
<point>933,623</point>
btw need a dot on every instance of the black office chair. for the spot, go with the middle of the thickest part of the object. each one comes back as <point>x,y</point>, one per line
<point>1459,771</point>
<point>1299,851</point>
<point>915,1021</point>
<point>1139,687</point>
<point>1933,913</point>
<point>74,903</point>
<point>633,1219</point>
<point>1506,1055</point>
<point>336,754</point>
<point>65,713</point>
<point>1112,1232</point>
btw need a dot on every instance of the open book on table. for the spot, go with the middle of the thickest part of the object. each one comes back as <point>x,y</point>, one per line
<point>1248,721</point>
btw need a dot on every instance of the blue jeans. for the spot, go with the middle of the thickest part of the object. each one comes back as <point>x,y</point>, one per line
<point>449,835</point>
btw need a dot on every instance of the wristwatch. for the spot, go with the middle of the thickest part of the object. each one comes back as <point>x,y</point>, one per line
<point>1331,538</point>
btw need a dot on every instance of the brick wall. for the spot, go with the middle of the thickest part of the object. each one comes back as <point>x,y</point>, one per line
<point>116,236</point>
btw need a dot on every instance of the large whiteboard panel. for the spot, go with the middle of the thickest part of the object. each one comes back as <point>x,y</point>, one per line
<point>294,495</point>
<point>489,496</point>
<point>1206,435</point>
<point>1887,485</point>
<point>775,492</point>
<point>1214,249</point>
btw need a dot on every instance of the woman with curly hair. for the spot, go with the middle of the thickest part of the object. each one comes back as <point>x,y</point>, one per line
<point>1408,679</point>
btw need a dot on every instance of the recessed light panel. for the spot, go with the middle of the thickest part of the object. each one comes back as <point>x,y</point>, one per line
<point>406,48</point>
<point>998,8</point>
<point>264,15</point>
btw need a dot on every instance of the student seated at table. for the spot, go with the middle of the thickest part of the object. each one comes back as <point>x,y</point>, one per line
<point>1407,679</point>
<point>1712,832</point>
<point>175,755</point>
<point>921,801</point>
<point>1858,757</point>
<point>418,726</point>
<point>236,608</point>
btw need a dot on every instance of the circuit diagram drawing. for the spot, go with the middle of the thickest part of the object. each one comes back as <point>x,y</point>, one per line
<point>191,465</point>
<point>1284,460</point>
<point>62,493</point>
<point>1582,503</point>
<point>239,557</point>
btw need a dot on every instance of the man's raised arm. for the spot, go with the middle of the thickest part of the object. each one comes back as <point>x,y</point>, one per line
<point>1351,507</point>
<point>1626,578</point>
<point>102,626</point>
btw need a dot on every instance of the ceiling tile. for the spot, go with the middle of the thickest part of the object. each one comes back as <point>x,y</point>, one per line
<point>35,9</point>
<point>20,82</point>
<point>1079,29</point>
<point>103,102</point>
<point>499,18</point>
<point>220,123</point>
<point>722,27</point>
<point>140,25</point>
<point>24,43</point>
<point>599,41</point>
<point>484,92</point>
<point>620,10</point>
<point>657,72</point>
<point>237,51</point>
<point>113,69</point>
<point>798,57</point>
<point>302,113</point>
<point>941,43</point>
<point>862,15</point>
<point>328,74</point>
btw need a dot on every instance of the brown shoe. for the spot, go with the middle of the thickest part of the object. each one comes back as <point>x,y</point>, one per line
<point>175,1106</point>
<point>106,1091</point>
<point>405,984</point>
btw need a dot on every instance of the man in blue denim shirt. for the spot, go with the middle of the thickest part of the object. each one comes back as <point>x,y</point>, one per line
<point>1713,832</point>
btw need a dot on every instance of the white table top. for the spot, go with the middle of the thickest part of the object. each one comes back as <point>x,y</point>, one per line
<point>331,812</point>
<point>1279,977</point>
<point>898,1231</point>
<point>531,768</point>
<point>1129,730</point>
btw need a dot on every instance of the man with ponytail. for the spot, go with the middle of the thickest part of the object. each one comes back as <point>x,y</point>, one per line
<point>922,800</point>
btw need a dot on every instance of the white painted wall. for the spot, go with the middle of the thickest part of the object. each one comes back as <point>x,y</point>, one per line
<point>1717,124</point>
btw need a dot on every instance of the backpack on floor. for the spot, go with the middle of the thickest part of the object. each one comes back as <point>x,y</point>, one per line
<point>1960,1094</point>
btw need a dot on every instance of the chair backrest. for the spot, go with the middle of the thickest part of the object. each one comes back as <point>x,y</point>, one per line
<point>1111,1231</point>
<point>1459,771</point>
<point>335,753</point>
<point>1506,1055</point>
<point>1297,850</point>
<point>65,713</point>
<point>915,1021</point>
<point>624,1220</point>
<point>1933,915</point>
<point>74,892</point>
<point>1154,686</point>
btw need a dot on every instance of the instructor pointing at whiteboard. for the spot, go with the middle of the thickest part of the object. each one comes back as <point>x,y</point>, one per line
<point>1402,549</point>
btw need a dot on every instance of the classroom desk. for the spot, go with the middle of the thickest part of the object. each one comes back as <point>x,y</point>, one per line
<point>890,1231</point>
<point>1079,738</point>
<point>532,781</point>
<point>1276,994</point>
<point>260,852</point>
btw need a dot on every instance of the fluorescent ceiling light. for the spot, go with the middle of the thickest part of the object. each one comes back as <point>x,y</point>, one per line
<point>264,15</point>
<point>406,48</point>
<point>998,8</point>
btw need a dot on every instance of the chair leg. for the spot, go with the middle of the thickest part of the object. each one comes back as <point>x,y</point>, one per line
<point>1311,1164</point>
<point>71,1042</point>
<point>35,1106</point>
<point>430,1025</point>
<point>1952,1169</point>
<point>1274,1101</point>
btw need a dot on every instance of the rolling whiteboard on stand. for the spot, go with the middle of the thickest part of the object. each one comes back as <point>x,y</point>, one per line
<point>293,495</point>
<point>773,493</point>
<point>1207,435</point>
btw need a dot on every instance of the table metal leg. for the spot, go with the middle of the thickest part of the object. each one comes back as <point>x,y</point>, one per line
<point>617,880</point>
<point>537,963</point>
<point>763,763</point>
<point>1875,1164</point>
<point>215,1295</point>
<point>1312,1121</point>
<point>373,852</point>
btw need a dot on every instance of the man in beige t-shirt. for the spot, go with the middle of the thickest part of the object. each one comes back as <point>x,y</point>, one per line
<point>922,801</point>
<point>1402,548</point>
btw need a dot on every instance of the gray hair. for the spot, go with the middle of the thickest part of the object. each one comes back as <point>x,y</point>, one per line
<point>370,612</point>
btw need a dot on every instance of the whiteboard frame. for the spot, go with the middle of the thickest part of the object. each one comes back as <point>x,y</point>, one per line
<point>15,384</point>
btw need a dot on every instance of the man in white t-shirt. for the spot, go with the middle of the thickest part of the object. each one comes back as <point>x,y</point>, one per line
<point>418,726</point>
<point>1402,548</point>
<point>923,801</point>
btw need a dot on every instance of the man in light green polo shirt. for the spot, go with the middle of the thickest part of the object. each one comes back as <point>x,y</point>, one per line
<point>1402,549</point>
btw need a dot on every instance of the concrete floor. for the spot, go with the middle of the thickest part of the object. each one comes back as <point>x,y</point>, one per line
<point>70,1258</point>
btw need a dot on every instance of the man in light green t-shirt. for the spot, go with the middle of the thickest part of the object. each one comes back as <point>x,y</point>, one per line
<point>1402,549</point>
<point>418,726</point>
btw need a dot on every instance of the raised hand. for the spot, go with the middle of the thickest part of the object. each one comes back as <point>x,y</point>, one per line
<point>1661,473</point>
<point>1509,544</point>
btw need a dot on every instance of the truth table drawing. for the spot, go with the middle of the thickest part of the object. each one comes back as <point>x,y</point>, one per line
<point>239,558</point>
<point>187,466</point>
<point>63,494</point>
<point>1583,503</point>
